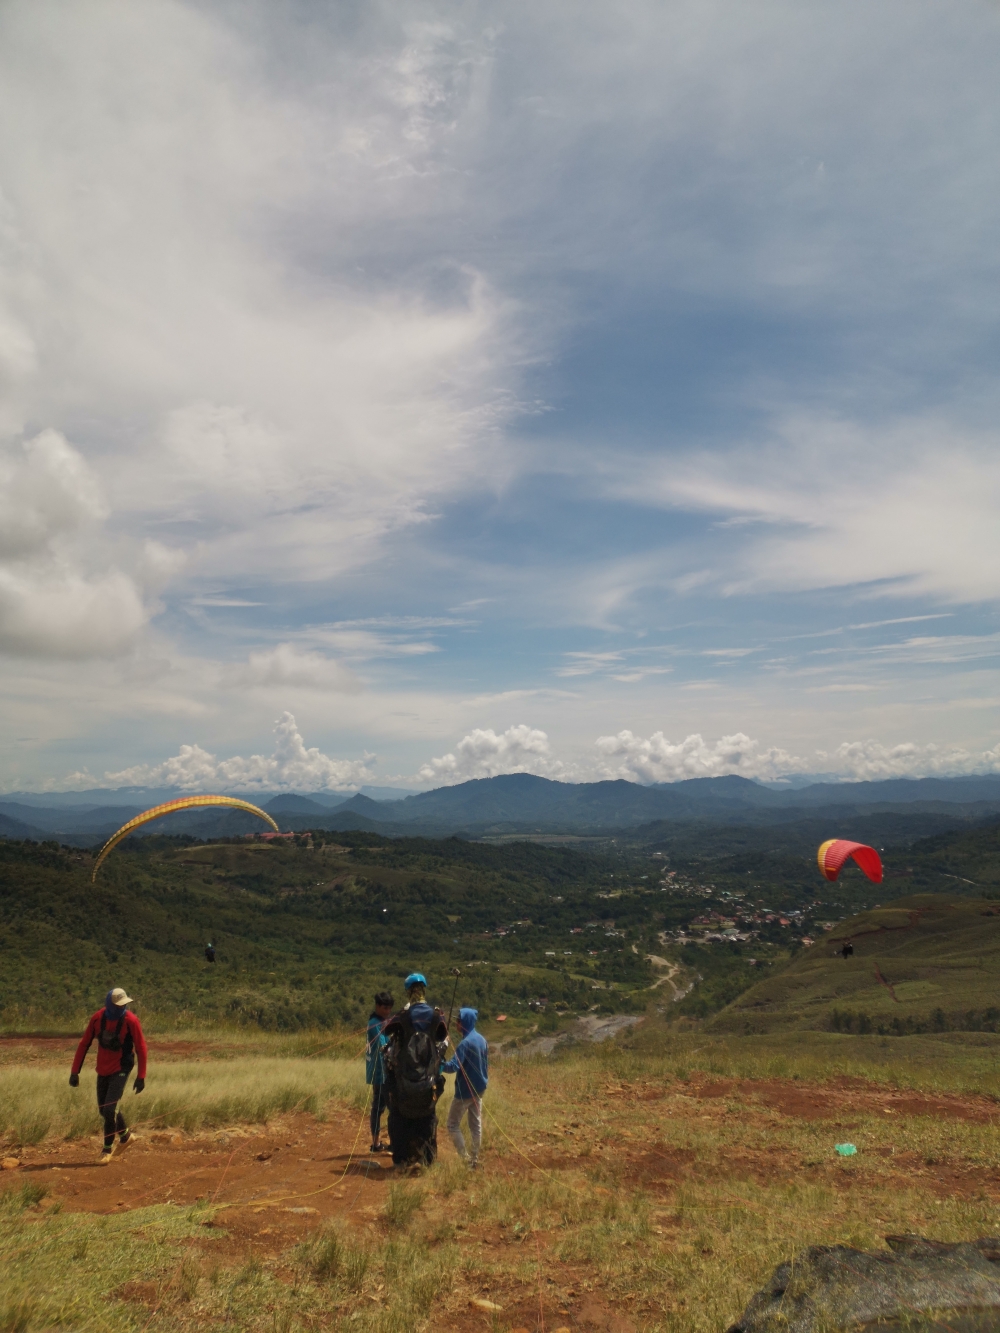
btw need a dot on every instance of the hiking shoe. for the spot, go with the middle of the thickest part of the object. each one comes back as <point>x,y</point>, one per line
<point>106,1155</point>
<point>129,1136</point>
<point>379,1147</point>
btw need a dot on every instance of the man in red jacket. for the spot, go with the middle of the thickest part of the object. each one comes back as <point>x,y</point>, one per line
<point>119,1041</point>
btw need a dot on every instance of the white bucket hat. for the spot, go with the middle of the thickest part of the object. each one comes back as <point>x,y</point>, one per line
<point>119,997</point>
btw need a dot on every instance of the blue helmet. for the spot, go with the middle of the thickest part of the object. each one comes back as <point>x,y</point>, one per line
<point>414,979</point>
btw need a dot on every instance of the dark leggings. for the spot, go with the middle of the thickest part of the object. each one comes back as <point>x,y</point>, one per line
<point>413,1140</point>
<point>379,1104</point>
<point>109,1093</point>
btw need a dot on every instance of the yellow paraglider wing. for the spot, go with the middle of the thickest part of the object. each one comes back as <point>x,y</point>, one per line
<point>182,803</point>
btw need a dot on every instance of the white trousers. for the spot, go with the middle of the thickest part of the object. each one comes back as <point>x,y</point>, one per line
<point>474,1107</point>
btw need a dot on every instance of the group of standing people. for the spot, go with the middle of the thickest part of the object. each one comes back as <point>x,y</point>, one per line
<point>406,1065</point>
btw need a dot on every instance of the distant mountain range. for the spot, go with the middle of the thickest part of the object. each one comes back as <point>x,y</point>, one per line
<point>513,803</point>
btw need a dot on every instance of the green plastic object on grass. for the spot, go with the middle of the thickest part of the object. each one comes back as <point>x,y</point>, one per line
<point>846,1149</point>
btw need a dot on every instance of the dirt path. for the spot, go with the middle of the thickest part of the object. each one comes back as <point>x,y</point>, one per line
<point>275,1182</point>
<point>668,977</point>
<point>586,1028</point>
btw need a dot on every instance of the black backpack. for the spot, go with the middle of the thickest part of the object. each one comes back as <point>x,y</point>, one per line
<point>112,1042</point>
<point>416,1070</point>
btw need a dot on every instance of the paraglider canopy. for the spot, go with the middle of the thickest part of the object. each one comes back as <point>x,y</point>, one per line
<point>182,803</point>
<point>832,855</point>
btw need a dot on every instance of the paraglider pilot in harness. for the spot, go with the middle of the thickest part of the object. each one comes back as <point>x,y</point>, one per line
<point>119,1042</point>
<point>417,1039</point>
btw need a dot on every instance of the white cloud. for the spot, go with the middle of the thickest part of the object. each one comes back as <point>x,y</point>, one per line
<point>656,759</point>
<point>291,767</point>
<point>288,665</point>
<point>362,644</point>
<point>46,491</point>
<point>870,761</point>
<point>823,503</point>
<point>586,664</point>
<point>57,612</point>
<point>484,754</point>
<point>51,602</point>
<point>191,231</point>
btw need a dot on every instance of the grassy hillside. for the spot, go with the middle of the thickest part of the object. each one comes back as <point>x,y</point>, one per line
<point>921,964</point>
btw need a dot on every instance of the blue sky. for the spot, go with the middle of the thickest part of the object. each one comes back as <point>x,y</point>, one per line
<point>405,394</point>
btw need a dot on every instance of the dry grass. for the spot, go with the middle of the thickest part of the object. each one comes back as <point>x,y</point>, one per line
<point>36,1103</point>
<point>613,1176</point>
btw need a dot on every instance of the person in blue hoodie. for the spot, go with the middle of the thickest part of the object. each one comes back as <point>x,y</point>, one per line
<point>375,1065</point>
<point>470,1065</point>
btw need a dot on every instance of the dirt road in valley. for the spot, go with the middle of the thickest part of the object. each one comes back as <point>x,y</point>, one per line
<point>667,979</point>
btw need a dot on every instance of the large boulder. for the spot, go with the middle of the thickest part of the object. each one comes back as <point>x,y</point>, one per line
<point>916,1285</point>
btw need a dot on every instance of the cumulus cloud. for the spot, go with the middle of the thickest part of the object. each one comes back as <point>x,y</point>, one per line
<point>484,754</point>
<point>291,767</point>
<point>870,761</point>
<point>656,759</point>
<point>51,603</point>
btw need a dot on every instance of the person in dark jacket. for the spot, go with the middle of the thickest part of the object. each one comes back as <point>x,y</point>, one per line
<point>375,1065</point>
<point>470,1065</point>
<point>417,1038</point>
<point>119,1042</point>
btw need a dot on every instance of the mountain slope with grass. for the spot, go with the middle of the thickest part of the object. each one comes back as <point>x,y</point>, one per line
<point>926,963</point>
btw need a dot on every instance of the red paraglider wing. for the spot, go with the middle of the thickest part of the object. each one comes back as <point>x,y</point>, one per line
<point>833,854</point>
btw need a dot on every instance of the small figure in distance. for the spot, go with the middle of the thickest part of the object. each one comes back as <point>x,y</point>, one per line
<point>418,1038</point>
<point>470,1065</point>
<point>375,1065</point>
<point>210,952</point>
<point>119,1040</point>
<point>848,949</point>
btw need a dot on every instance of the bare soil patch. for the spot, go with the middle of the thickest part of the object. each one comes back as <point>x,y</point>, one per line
<point>274,1184</point>
<point>27,1047</point>
<point>846,1097</point>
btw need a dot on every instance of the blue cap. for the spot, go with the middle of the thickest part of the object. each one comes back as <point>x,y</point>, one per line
<point>415,979</point>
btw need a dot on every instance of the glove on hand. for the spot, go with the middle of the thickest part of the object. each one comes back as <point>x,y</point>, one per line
<point>139,1084</point>
<point>74,1080</point>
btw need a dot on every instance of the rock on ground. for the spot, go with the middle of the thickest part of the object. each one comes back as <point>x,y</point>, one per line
<point>922,1286</point>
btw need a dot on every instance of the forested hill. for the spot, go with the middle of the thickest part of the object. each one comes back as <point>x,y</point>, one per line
<point>307,931</point>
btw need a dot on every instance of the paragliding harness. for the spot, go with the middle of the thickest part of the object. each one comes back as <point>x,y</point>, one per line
<point>114,1041</point>
<point>414,1066</point>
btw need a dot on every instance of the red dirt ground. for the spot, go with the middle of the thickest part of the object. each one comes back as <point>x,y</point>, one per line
<point>847,1096</point>
<point>29,1047</point>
